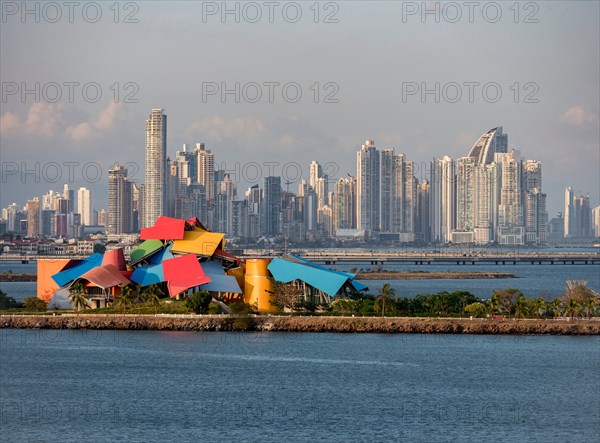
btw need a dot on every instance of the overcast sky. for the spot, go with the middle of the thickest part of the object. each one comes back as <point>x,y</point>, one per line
<point>543,57</point>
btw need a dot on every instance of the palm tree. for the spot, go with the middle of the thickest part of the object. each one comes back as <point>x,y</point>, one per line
<point>494,304</point>
<point>521,306</point>
<point>590,305</point>
<point>385,293</point>
<point>556,307</point>
<point>77,296</point>
<point>122,301</point>
<point>572,308</point>
<point>539,306</point>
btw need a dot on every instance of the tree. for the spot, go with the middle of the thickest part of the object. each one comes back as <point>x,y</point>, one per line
<point>572,308</point>
<point>476,309</point>
<point>521,306</point>
<point>77,296</point>
<point>34,304</point>
<point>578,297</point>
<point>286,295</point>
<point>199,302</point>
<point>507,299</point>
<point>555,307</point>
<point>386,292</point>
<point>7,302</point>
<point>538,307</point>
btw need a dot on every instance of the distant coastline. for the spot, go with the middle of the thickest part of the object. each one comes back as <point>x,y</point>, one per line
<point>263,323</point>
<point>10,277</point>
<point>427,275</point>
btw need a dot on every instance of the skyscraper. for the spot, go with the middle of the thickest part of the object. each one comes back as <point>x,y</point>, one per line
<point>84,205</point>
<point>33,217</point>
<point>155,186</point>
<point>272,206</point>
<point>569,216</point>
<point>367,187</point>
<point>344,204</point>
<point>206,171</point>
<point>120,201</point>
<point>511,226</point>
<point>442,203</point>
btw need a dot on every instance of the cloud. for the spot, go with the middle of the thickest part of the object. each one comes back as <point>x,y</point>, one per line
<point>105,121</point>
<point>578,116</point>
<point>43,119</point>
<point>50,119</point>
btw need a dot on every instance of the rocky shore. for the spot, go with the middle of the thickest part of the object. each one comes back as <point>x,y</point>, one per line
<point>304,324</point>
<point>10,277</point>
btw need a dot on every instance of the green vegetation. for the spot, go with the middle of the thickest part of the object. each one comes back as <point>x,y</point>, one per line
<point>34,304</point>
<point>7,302</point>
<point>199,302</point>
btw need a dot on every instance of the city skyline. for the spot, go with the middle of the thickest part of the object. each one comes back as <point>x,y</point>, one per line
<point>493,194</point>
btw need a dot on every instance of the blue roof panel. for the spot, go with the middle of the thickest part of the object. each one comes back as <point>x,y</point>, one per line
<point>221,283</point>
<point>147,275</point>
<point>78,269</point>
<point>325,280</point>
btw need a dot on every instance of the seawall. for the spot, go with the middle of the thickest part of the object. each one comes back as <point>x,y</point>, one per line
<point>304,324</point>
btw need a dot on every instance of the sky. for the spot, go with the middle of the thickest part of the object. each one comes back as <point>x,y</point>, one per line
<point>315,81</point>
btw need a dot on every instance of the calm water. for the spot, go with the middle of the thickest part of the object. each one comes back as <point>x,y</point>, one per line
<point>74,386</point>
<point>548,281</point>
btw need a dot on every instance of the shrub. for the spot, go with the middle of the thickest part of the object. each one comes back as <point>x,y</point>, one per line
<point>199,302</point>
<point>34,304</point>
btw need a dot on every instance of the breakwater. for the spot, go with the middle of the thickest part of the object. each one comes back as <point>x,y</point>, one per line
<point>304,324</point>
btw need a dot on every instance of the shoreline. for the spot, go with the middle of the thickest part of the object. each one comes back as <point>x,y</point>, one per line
<point>428,275</point>
<point>265,323</point>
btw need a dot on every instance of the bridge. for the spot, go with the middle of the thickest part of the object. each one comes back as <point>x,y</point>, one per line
<point>333,257</point>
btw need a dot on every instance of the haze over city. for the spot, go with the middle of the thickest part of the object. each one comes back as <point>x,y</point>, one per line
<point>361,71</point>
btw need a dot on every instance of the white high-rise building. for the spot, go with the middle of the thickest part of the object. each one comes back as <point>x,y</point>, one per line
<point>84,205</point>
<point>206,171</point>
<point>344,204</point>
<point>511,226</point>
<point>315,173</point>
<point>155,186</point>
<point>596,221</point>
<point>367,187</point>
<point>442,203</point>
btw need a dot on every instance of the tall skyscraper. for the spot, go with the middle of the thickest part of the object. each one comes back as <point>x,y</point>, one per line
<point>33,217</point>
<point>569,216</point>
<point>155,186</point>
<point>272,206</point>
<point>120,201</point>
<point>344,204</point>
<point>511,223</point>
<point>206,171</point>
<point>442,203</point>
<point>367,187</point>
<point>388,202</point>
<point>422,228</point>
<point>596,221</point>
<point>84,205</point>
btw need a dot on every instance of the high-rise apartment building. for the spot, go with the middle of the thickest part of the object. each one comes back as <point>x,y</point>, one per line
<point>155,186</point>
<point>120,201</point>
<point>33,217</point>
<point>344,204</point>
<point>272,206</point>
<point>84,205</point>
<point>367,187</point>
<point>442,203</point>
<point>206,171</point>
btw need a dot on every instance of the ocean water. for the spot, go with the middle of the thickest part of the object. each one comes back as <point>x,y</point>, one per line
<point>150,386</point>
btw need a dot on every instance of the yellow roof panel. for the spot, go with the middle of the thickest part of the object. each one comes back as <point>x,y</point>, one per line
<point>198,242</point>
